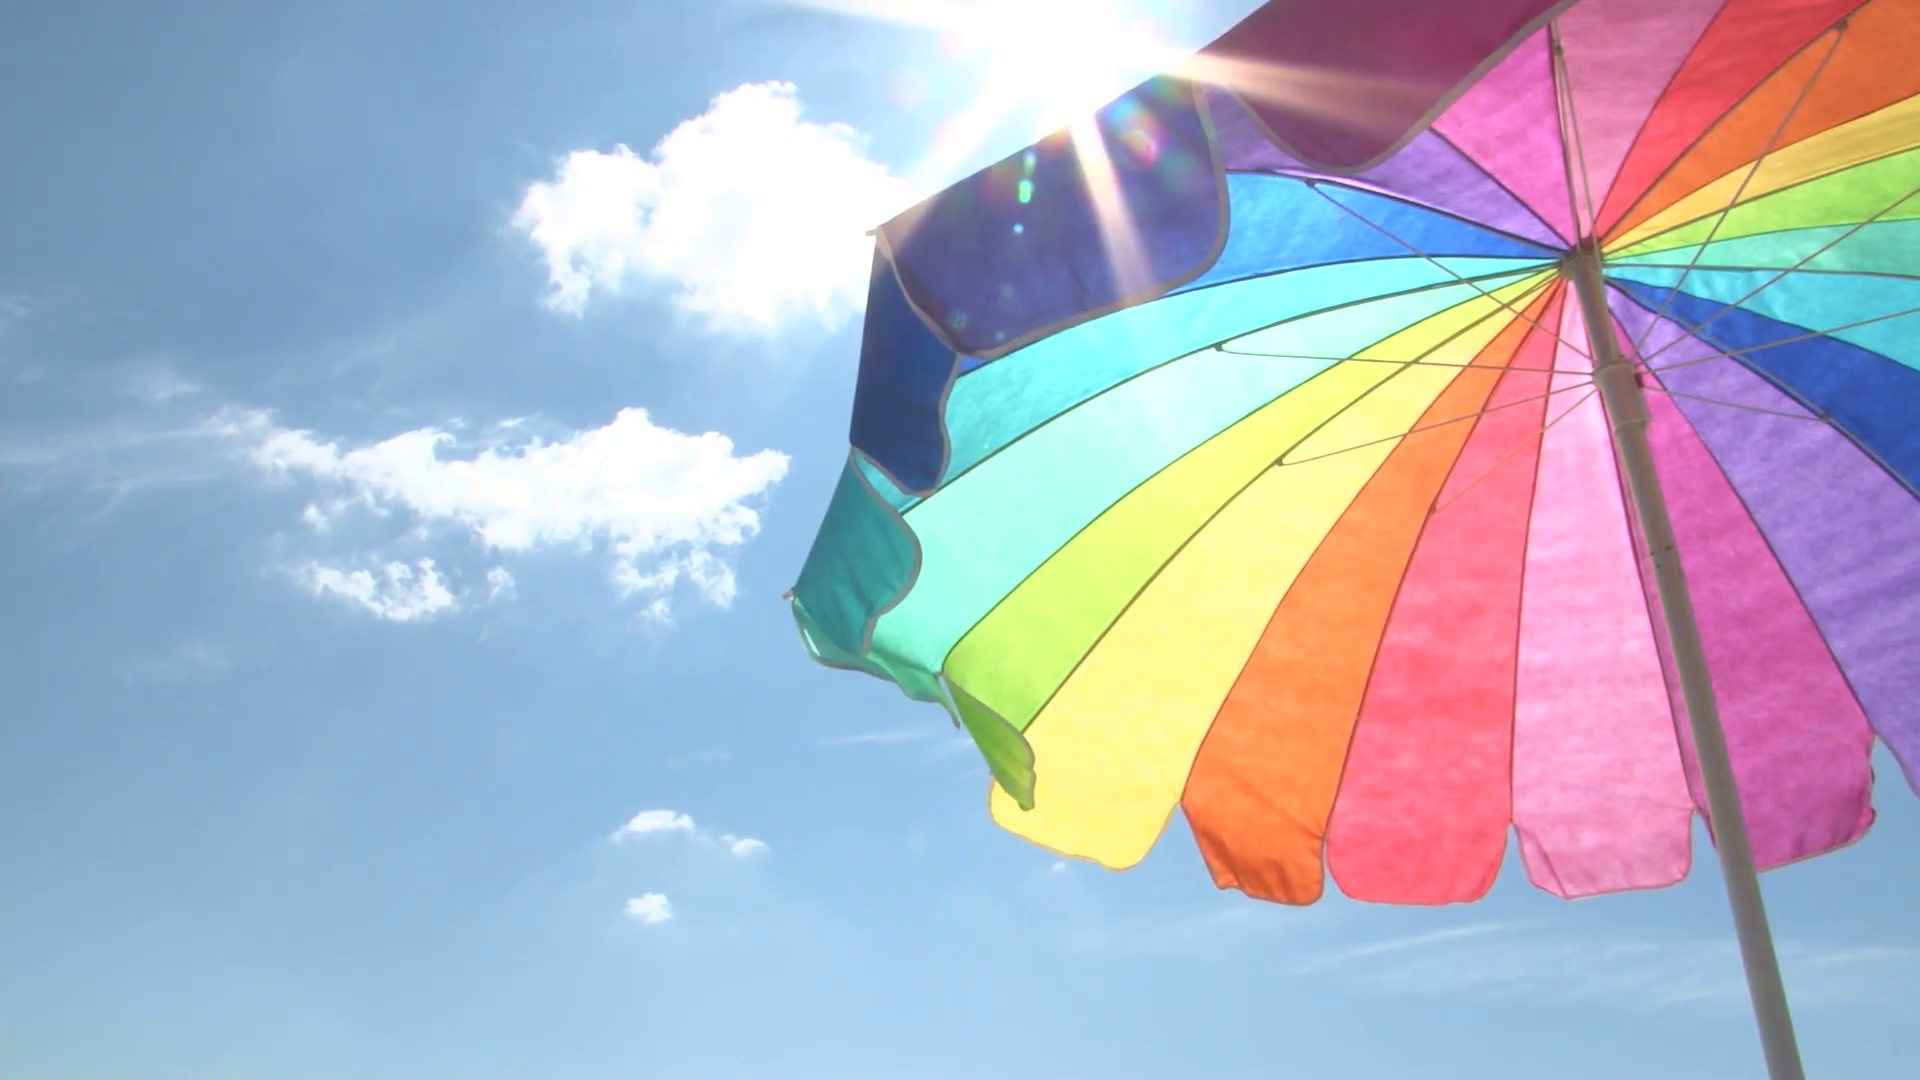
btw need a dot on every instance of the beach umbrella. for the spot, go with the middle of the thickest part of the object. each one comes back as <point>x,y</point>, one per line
<point>1410,422</point>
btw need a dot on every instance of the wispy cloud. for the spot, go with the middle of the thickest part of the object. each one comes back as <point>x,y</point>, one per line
<point>119,457</point>
<point>953,745</point>
<point>1066,894</point>
<point>14,309</point>
<point>1506,961</point>
<point>1862,954</point>
<point>668,822</point>
<point>700,760</point>
<point>187,662</point>
<point>750,215</point>
<point>156,381</point>
<point>1414,943</point>
<point>932,743</point>
<point>650,909</point>
<point>1185,933</point>
<point>886,737</point>
<point>116,428</point>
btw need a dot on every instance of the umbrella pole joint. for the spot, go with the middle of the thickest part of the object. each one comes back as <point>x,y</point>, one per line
<point>1625,403</point>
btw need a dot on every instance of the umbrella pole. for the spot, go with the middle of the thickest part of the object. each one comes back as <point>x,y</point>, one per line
<point>1626,410</point>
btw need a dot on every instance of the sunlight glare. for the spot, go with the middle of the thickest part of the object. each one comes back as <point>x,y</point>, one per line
<point>1062,58</point>
<point>1048,63</point>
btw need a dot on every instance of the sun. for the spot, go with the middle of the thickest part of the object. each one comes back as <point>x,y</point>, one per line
<point>1060,58</point>
<point>1043,64</point>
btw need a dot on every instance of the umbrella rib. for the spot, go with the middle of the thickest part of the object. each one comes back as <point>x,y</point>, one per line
<point>1524,443</point>
<point>1666,172</point>
<point>1779,132</point>
<point>1763,286</point>
<point>1814,416</point>
<point>1384,360</point>
<point>1735,356</point>
<point>1361,185</point>
<point>1732,354</point>
<point>1814,411</point>
<point>1299,317</point>
<point>1396,238</point>
<point>1569,118</point>
<point>1501,186</point>
<point>1728,268</point>
<point>1624,250</point>
<point>1475,415</point>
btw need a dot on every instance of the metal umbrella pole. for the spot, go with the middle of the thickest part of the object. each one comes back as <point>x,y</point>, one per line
<point>1626,410</point>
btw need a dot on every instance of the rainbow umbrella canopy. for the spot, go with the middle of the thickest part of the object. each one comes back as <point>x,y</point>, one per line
<point>1314,441</point>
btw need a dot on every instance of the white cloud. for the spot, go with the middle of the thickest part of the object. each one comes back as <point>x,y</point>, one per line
<point>744,847</point>
<point>650,909</point>
<point>649,822</point>
<point>752,215</point>
<point>666,505</point>
<point>500,583</point>
<point>662,822</point>
<point>394,591</point>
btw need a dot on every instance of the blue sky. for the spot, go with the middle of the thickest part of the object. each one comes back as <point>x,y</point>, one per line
<point>331,715</point>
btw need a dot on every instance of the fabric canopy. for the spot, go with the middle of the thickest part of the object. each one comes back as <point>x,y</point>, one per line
<point>1240,455</point>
